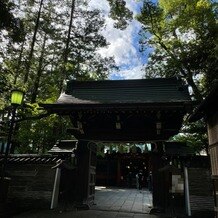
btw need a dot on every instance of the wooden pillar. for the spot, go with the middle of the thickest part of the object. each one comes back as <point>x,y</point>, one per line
<point>213,151</point>
<point>118,171</point>
<point>157,178</point>
<point>86,175</point>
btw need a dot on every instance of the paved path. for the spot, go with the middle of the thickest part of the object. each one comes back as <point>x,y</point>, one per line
<point>122,200</point>
<point>110,203</point>
<point>85,214</point>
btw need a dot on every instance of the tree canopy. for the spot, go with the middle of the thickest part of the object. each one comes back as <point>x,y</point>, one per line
<point>183,36</point>
<point>44,43</point>
<point>120,13</point>
<point>9,22</point>
<point>59,41</point>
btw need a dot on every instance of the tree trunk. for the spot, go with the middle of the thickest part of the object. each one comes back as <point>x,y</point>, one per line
<point>66,51</point>
<point>29,60</point>
<point>39,72</point>
<point>19,63</point>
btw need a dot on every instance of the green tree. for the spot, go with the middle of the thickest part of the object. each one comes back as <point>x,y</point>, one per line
<point>182,34</point>
<point>39,135</point>
<point>36,64</point>
<point>9,22</point>
<point>120,13</point>
<point>84,62</point>
<point>194,135</point>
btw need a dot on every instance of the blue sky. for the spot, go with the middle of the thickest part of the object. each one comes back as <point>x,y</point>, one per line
<point>123,43</point>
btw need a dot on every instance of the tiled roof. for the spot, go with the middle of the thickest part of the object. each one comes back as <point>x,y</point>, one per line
<point>157,90</point>
<point>30,159</point>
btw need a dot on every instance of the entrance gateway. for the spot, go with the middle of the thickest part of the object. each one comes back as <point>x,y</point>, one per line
<point>145,110</point>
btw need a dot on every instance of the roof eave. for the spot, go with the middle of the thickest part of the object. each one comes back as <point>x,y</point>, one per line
<point>56,107</point>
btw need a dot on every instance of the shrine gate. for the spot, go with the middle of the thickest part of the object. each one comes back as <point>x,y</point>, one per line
<point>145,110</point>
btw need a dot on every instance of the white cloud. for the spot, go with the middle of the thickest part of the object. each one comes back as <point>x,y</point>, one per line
<point>186,36</point>
<point>102,5</point>
<point>134,72</point>
<point>123,44</point>
<point>134,6</point>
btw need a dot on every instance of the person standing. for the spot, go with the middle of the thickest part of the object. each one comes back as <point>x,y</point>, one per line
<point>140,179</point>
<point>150,181</point>
<point>137,181</point>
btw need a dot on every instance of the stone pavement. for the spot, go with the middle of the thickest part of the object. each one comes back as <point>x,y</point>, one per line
<point>84,214</point>
<point>122,200</point>
<point>109,203</point>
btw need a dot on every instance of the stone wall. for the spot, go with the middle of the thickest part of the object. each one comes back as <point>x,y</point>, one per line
<point>213,142</point>
<point>31,180</point>
<point>212,127</point>
<point>201,190</point>
<point>31,184</point>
